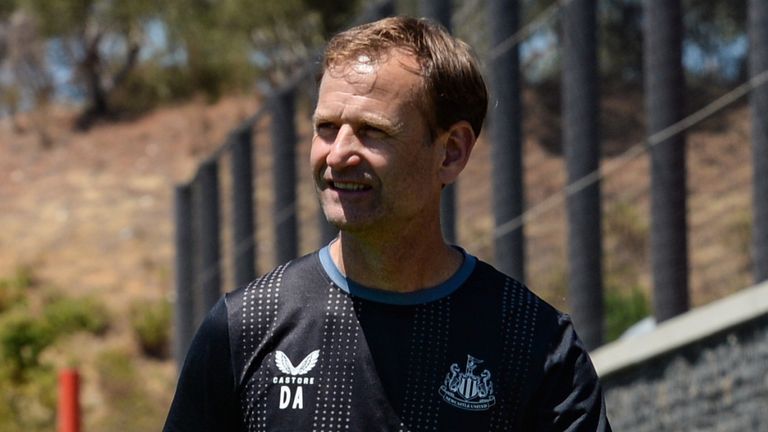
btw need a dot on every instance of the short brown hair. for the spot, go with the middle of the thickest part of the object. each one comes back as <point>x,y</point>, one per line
<point>453,85</point>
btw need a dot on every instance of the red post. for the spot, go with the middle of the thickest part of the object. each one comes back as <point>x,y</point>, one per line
<point>69,401</point>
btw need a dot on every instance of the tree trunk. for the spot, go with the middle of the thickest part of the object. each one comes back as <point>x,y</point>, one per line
<point>97,106</point>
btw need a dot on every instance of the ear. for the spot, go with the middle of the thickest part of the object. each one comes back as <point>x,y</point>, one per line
<point>458,142</point>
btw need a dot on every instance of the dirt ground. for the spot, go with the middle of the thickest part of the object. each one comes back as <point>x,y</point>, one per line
<point>91,216</point>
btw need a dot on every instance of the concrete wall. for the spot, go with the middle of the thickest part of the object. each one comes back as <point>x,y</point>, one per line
<point>706,370</point>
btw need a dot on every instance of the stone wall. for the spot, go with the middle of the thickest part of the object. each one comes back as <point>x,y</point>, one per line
<point>716,380</point>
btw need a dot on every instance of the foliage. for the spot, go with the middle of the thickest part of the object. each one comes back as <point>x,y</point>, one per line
<point>24,335</point>
<point>231,42</point>
<point>22,339</point>
<point>27,399</point>
<point>99,39</point>
<point>69,315</point>
<point>151,323</point>
<point>624,307</point>
<point>739,243</point>
<point>626,236</point>
<point>12,288</point>
<point>712,22</point>
<point>710,27</point>
<point>6,8</point>
<point>222,46</point>
<point>152,86</point>
<point>114,48</point>
<point>28,405</point>
<point>621,39</point>
<point>24,77</point>
<point>125,395</point>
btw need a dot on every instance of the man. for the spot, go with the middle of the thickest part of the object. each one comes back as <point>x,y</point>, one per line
<point>389,328</point>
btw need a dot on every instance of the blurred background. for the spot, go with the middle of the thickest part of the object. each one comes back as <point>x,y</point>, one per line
<point>615,174</point>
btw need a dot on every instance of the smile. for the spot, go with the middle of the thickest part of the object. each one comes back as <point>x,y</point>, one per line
<point>353,187</point>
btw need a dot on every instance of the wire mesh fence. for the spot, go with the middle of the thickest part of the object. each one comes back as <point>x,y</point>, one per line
<point>716,132</point>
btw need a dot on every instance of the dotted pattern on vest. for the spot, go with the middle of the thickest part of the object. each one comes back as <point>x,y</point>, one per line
<point>334,405</point>
<point>429,347</point>
<point>519,310</point>
<point>260,302</point>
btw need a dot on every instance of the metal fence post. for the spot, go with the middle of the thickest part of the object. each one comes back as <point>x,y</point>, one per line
<point>581,145</point>
<point>505,129</point>
<point>205,199</point>
<point>184,310</point>
<point>665,95</point>
<point>441,11</point>
<point>243,240</point>
<point>379,10</point>
<point>438,10</point>
<point>758,63</point>
<point>282,104</point>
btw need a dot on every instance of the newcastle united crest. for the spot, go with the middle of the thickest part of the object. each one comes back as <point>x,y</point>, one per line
<point>467,390</point>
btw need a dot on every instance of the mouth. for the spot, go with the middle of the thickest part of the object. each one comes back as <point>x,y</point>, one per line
<point>348,186</point>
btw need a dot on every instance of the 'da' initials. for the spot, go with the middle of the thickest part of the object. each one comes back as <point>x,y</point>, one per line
<point>285,398</point>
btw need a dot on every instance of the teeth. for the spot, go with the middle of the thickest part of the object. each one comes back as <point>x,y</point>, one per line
<point>348,186</point>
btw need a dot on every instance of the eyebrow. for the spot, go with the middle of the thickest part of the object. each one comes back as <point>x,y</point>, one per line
<point>369,119</point>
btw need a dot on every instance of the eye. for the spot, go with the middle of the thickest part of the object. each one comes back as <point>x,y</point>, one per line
<point>326,130</point>
<point>372,132</point>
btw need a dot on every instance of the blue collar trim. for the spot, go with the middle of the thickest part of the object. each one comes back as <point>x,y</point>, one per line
<point>411,298</point>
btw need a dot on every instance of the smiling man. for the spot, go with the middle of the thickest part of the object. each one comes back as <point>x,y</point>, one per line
<point>389,328</point>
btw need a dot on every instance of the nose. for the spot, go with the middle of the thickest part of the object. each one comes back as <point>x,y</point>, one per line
<point>344,149</point>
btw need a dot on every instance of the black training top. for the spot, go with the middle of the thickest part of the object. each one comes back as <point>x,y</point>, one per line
<point>304,349</point>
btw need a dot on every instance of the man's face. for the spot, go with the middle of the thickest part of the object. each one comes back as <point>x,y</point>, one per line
<point>372,160</point>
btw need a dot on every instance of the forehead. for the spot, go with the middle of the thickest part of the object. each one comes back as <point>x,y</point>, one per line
<point>392,64</point>
<point>393,79</point>
<point>366,58</point>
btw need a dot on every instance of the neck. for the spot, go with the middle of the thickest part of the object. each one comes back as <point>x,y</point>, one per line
<point>397,263</point>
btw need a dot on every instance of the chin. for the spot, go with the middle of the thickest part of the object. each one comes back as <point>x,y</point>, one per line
<point>344,223</point>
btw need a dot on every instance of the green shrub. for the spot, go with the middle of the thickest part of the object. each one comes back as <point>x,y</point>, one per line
<point>28,406</point>
<point>739,240</point>
<point>70,315</point>
<point>27,386</point>
<point>22,339</point>
<point>9,295</point>
<point>27,383</point>
<point>12,288</point>
<point>24,335</point>
<point>151,323</point>
<point>150,86</point>
<point>623,308</point>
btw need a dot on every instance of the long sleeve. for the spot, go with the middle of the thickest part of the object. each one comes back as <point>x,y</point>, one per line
<point>570,397</point>
<point>206,398</point>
